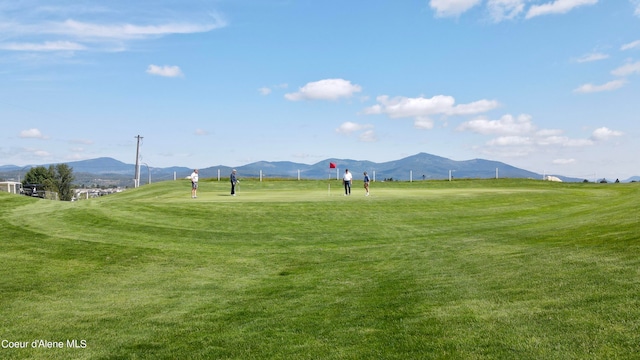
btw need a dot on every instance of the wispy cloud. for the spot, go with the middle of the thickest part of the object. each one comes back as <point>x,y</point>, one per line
<point>423,123</point>
<point>45,46</point>
<point>86,30</point>
<point>328,89</point>
<point>592,57</point>
<point>38,153</point>
<point>501,10</point>
<point>557,7</point>
<point>368,136</point>
<point>350,127</point>
<point>366,132</point>
<point>446,8</point>
<point>165,71</point>
<point>610,86</point>
<point>79,27</point>
<point>506,125</point>
<point>265,90</point>
<point>636,4</point>
<point>627,69</point>
<point>631,45</point>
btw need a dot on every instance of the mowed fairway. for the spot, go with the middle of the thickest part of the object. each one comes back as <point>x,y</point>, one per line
<point>469,269</point>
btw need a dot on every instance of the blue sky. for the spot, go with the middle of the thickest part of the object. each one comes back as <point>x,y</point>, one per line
<point>551,86</point>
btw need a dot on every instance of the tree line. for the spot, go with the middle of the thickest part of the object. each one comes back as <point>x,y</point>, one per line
<point>56,178</point>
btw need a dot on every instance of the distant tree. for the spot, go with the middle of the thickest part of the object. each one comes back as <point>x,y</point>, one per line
<point>39,175</point>
<point>585,181</point>
<point>56,178</point>
<point>63,177</point>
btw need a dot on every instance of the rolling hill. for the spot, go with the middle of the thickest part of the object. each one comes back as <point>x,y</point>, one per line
<point>422,166</point>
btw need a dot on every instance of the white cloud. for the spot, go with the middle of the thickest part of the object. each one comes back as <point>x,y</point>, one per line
<point>166,71</point>
<point>46,46</point>
<point>446,8</point>
<point>265,90</point>
<point>627,69</point>
<point>400,107</point>
<point>604,134</point>
<point>32,134</point>
<point>592,57</point>
<point>328,89</point>
<point>201,132</point>
<point>475,107</point>
<point>403,107</point>
<point>506,125</point>
<point>520,137</point>
<point>350,127</point>
<point>631,45</point>
<point>84,30</point>
<point>610,86</point>
<point>557,7</point>
<point>501,10</point>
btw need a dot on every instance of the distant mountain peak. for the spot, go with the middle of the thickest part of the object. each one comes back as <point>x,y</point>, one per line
<point>419,166</point>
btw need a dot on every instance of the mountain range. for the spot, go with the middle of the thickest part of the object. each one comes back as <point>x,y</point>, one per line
<point>107,171</point>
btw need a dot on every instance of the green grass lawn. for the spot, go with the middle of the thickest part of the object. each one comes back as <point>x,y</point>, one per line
<point>469,269</point>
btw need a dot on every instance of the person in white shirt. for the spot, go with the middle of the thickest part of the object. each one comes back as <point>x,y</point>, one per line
<point>346,180</point>
<point>194,184</point>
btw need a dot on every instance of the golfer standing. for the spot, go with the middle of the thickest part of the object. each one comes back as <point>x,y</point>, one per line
<point>346,179</point>
<point>366,183</point>
<point>234,181</point>
<point>194,184</point>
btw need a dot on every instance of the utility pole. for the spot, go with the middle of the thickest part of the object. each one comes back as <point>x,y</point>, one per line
<point>136,180</point>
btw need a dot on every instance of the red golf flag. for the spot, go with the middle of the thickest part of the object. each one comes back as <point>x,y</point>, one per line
<point>332,165</point>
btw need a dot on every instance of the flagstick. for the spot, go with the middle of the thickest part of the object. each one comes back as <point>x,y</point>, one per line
<point>329,192</point>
